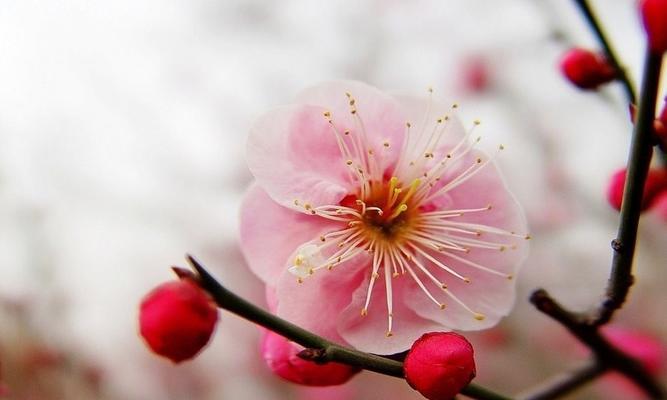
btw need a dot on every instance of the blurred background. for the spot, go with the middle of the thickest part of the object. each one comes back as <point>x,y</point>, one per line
<point>122,145</point>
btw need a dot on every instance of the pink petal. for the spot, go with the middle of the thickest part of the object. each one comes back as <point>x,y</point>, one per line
<point>367,333</point>
<point>382,115</point>
<point>270,233</point>
<point>293,154</point>
<point>315,303</point>
<point>488,294</point>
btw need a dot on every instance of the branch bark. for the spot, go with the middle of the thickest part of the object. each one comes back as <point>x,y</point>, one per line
<point>318,349</point>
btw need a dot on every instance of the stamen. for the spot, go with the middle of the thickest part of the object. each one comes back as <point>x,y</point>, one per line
<point>374,274</point>
<point>439,264</point>
<point>476,315</point>
<point>415,277</point>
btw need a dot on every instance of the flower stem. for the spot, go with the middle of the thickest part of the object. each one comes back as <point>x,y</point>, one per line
<point>565,383</point>
<point>639,160</point>
<point>607,356</point>
<point>594,23</point>
<point>318,349</point>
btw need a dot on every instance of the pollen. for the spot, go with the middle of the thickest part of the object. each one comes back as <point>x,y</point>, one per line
<point>393,221</point>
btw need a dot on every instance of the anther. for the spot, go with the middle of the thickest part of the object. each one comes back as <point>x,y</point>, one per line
<point>443,306</point>
<point>479,317</point>
<point>364,312</point>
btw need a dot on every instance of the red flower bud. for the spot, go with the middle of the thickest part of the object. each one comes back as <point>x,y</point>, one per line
<point>281,356</point>
<point>177,319</point>
<point>439,365</point>
<point>654,17</point>
<point>656,182</point>
<point>586,69</point>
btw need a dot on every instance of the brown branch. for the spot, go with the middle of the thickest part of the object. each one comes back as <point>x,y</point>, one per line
<point>565,383</point>
<point>639,160</point>
<point>607,356</point>
<point>610,54</point>
<point>318,349</point>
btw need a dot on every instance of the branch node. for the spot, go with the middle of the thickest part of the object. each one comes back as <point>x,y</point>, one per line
<point>617,245</point>
<point>318,356</point>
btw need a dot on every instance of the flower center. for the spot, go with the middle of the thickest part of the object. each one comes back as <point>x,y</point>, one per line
<point>393,222</point>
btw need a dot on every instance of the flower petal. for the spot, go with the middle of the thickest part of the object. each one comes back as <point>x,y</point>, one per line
<point>315,303</point>
<point>293,154</point>
<point>269,233</point>
<point>382,117</point>
<point>367,332</point>
<point>487,293</point>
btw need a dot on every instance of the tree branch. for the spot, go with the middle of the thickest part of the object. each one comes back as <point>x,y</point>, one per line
<point>318,349</point>
<point>594,23</point>
<point>565,383</point>
<point>607,356</point>
<point>639,160</point>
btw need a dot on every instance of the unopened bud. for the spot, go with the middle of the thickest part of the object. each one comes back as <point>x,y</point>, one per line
<point>586,69</point>
<point>656,182</point>
<point>654,17</point>
<point>177,319</point>
<point>282,358</point>
<point>439,365</point>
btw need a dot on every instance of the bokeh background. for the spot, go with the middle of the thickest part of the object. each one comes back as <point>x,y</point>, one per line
<point>122,142</point>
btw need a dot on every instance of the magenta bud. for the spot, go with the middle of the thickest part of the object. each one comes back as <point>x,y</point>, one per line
<point>439,365</point>
<point>656,183</point>
<point>282,358</point>
<point>586,69</point>
<point>654,17</point>
<point>177,319</point>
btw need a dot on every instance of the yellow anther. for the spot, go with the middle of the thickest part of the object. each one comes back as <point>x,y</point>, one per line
<point>299,259</point>
<point>479,317</point>
<point>398,211</point>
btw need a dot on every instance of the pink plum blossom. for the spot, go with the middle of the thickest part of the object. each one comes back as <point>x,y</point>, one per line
<point>376,218</point>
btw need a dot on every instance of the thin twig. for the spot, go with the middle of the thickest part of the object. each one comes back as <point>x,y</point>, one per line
<point>565,383</point>
<point>639,161</point>
<point>318,348</point>
<point>594,23</point>
<point>606,354</point>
